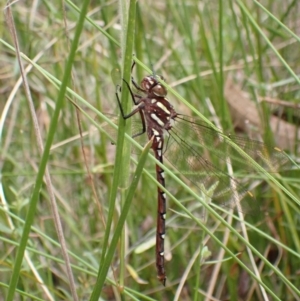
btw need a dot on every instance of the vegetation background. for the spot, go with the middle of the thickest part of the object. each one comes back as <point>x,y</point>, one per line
<point>234,62</point>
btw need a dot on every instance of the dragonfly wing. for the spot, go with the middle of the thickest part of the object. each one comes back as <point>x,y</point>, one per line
<point>201,154</point>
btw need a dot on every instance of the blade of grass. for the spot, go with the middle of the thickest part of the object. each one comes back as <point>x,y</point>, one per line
<point>121,170</point>
<point>45,156</point>
<point>128,19</point>
<point>118,231</point>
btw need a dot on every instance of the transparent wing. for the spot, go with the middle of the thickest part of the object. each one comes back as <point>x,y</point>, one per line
<point>201,153</point>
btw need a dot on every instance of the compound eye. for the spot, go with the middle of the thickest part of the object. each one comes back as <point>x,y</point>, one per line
<point>159,90</point>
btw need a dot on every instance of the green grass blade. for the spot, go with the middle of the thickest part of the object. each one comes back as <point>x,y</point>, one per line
<point>119,227</point>
<point>39,178</point>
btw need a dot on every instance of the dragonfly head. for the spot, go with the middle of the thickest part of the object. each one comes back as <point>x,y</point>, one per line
<point>152,85</point>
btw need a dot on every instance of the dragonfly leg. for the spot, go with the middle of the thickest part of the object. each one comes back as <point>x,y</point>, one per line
<point>138,109</point>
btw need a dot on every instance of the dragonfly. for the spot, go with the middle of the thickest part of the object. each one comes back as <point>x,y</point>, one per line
<point>191,145</point>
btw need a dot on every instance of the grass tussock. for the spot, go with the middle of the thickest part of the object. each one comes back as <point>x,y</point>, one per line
<point>233,64</point>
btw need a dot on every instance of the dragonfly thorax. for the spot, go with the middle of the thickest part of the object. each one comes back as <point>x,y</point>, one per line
<point>159,115</point>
